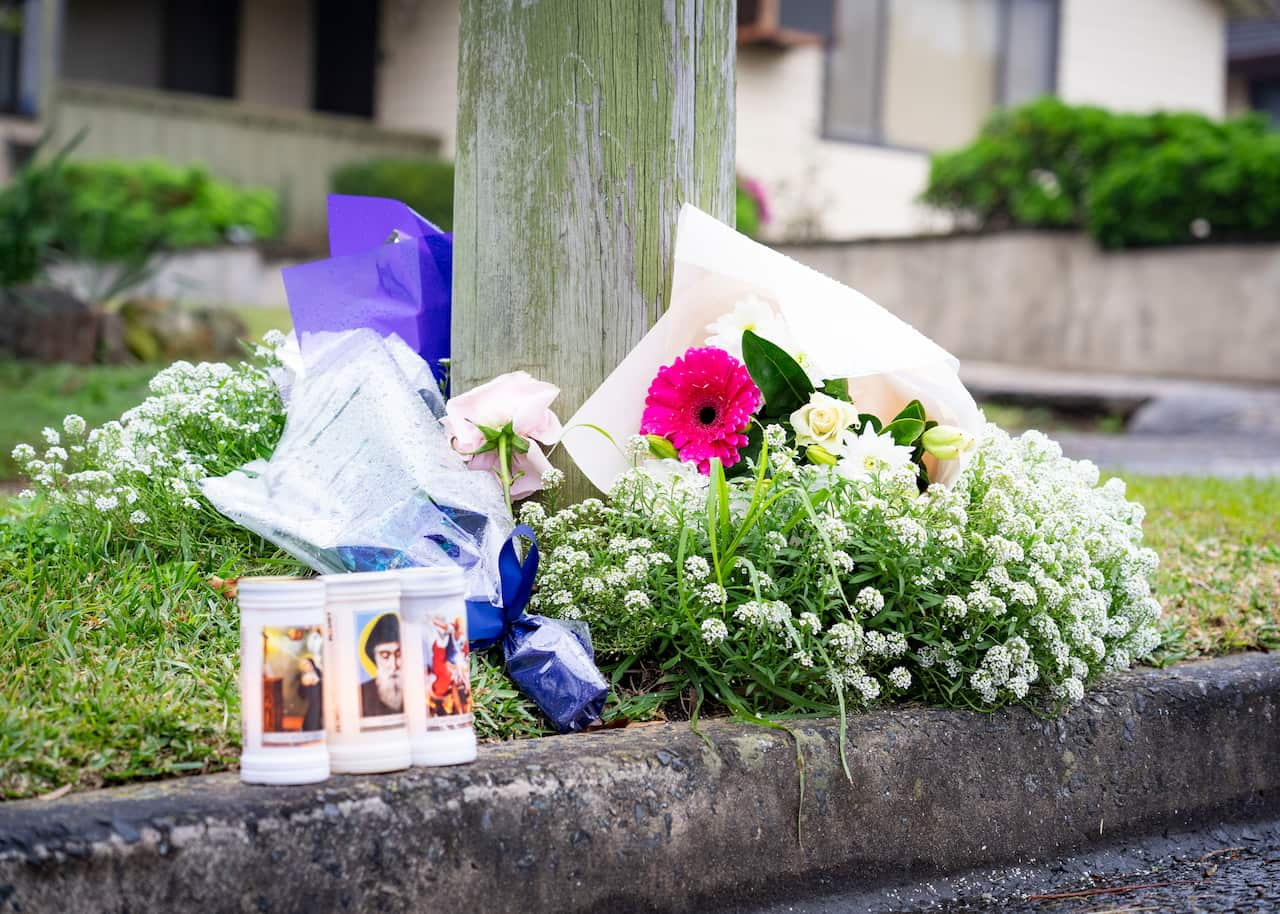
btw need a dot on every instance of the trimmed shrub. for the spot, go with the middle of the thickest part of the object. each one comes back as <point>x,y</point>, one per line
<point>1052,165</point>
<point>121,210</point>
<point>424,184</point>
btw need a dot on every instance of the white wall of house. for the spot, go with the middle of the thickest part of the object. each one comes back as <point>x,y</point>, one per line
<point>130,54</point>
<point>276,55</point>
<point>1139,55</point>
<point>417,85</point>
<point>819,188</point>
<point>1135,55</point>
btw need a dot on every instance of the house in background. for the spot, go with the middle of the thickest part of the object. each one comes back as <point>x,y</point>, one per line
<point>839,102</point>
<point>838,122</point>
<point>1253,67</point>
<point>268,92</point>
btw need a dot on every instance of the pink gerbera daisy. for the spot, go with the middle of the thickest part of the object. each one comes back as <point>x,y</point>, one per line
<point>702,403</point>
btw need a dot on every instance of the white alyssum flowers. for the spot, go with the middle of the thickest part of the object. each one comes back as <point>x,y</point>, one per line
<point>1021,582</point>
<point>142,471</point>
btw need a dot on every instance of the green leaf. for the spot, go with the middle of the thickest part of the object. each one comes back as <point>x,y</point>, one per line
<point>913,410</point>
<point>838,388</point>
<point>905,431</point>
<point>865,419</point>
<point>780,378</point>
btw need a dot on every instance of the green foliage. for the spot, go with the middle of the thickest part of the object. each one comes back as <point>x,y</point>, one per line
<point>121,211</point>
<point>747,212</point>
<point>782,382</point>
<point>424,184</point>
<point>37,395</point>
<point>26,229</point>
<point>1128,179</point>
<point>112,210</point>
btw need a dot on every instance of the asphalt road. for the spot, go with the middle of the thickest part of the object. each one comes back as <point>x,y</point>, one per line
<point>1231,868</point>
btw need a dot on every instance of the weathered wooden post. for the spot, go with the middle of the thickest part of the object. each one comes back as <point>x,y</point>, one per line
<point>582,127</point>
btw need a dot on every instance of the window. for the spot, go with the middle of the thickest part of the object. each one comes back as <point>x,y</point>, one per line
<point>1264,96</point>
<point>924,74</point>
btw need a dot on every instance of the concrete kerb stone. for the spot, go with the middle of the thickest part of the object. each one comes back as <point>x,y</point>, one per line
<point>657,818</point>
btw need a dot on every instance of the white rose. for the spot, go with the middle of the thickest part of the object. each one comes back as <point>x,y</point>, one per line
<point>823,421</point>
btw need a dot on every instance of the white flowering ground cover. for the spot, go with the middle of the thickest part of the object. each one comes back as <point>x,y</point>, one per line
<point>787,593</point>
<point>799,590</point>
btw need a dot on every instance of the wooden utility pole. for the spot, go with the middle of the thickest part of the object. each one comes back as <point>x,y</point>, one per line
<point>582,127</point>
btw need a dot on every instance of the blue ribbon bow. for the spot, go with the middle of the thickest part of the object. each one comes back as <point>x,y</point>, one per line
<point>487,623</point>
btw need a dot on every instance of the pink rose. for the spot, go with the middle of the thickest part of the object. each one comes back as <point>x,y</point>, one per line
<point>526,468</point>
<point>518,398</point>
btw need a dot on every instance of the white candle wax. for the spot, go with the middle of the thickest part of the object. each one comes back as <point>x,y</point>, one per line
<point>364,691</point>
<point>438,661</point>
<point>281,674</point>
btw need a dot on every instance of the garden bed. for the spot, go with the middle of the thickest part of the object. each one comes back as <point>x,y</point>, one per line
<point>121,667</point>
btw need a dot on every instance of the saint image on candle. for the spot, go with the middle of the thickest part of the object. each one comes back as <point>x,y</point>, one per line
<point>448,669</point>
<point>292,686</point>
<point>381,688</point>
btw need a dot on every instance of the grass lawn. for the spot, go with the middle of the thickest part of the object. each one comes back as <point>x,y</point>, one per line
<point>36,394</point>
<point>123,668</point>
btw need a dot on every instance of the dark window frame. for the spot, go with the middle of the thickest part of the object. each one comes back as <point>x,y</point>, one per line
<point>876,139</point>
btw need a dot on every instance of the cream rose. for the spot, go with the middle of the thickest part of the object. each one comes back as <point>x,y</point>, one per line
<point>823,421</point>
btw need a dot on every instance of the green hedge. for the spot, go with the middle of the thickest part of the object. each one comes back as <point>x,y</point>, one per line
<point>1129,180</point>
<point>424,184</point>
<point>121,211</point>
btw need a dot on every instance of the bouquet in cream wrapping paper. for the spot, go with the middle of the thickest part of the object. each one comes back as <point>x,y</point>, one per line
<point>724,284</point>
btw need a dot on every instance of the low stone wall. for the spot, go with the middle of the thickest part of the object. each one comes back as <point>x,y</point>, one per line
<point>1055,300</point>
<point>239,276</point>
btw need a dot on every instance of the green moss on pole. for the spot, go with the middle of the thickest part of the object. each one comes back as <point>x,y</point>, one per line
<point>582,127</point>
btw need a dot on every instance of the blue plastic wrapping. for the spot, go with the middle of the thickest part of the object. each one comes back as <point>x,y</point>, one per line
<point>552,662</point>
<point>391,271</point>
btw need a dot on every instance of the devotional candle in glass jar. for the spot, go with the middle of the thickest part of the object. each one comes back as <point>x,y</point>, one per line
<point>282,673</point>
<point>438,661</point>
<point>364,691</point>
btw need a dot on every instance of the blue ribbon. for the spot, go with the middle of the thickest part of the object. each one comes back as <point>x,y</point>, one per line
<point>487,623</point>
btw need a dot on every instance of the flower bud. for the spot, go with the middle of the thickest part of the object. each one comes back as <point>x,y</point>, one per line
<point>661,448</point>
<point>819,454</point>
<point>946,442</point>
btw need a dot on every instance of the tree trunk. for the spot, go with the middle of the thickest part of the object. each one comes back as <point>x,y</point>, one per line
<point>582,127</point>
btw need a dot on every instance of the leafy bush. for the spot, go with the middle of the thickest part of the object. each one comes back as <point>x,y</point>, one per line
<point>122,211</point>
<point>424,184</point>
<point>1052,165</point>
<point>111,210</point>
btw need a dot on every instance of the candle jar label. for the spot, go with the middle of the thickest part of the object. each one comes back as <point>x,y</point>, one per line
<point>292,685</point>
<point>381,698</point>
<point>447,663</point>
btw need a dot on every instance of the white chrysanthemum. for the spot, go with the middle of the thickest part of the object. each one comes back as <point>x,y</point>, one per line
<point>867,453</point>
<point>751,313</point>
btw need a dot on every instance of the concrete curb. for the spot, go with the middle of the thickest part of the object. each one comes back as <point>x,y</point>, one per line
<point>654,818</point>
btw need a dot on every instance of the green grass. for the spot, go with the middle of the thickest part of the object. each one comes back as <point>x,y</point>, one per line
<point>37,394</point>
<point>122,665</point>
<point>1018,418</point>
<point>1219,576</point>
